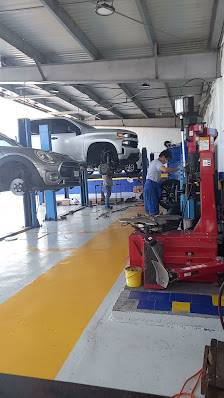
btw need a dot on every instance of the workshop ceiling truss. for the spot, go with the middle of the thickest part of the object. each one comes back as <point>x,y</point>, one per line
<point>129,65</point>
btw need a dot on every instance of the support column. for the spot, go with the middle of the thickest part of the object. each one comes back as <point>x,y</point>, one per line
<point>84,189</point>
<point>144,165</point>
<point>29,199</point>
<point>50,197</point>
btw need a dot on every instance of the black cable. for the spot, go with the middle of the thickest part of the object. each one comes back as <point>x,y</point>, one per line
<point>220,305</point>
<point>137,248</point>
<point>190,80</point>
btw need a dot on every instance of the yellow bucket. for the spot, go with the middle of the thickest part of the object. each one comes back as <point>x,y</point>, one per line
<point>133,276</point>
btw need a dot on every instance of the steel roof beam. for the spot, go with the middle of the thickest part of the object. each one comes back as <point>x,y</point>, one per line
<point>136,122</point>
<point>216,25</point>
<point>40,101</point>
<point>143,11</point>
<point>142,8</point>
<point>68,100</point>
<point>170,98</point>
<point>135,100</point>
<point>170,68</point>
<point>95,98</point>
<point>72,28</point>
<point>16,41</point>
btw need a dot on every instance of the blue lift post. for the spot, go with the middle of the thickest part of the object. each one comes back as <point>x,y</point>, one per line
<point>50,197</point>
<point>84,189</point>
<point>144,165</point>
<point>29,199</point>
<point>66,192</point>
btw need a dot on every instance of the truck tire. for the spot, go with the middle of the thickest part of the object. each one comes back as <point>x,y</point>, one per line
<point>104,169</point>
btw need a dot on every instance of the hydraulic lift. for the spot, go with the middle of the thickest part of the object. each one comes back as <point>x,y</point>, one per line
<point>173,248</point>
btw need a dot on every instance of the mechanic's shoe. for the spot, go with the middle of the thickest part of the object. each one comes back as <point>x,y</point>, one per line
<point>108,207</point>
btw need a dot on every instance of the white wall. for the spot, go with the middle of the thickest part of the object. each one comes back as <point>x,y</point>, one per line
<point>214,116</point>
<point>152,138</point>
<point>11,111</point>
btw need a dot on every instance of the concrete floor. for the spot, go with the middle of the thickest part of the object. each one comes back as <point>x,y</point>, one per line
<point>58,286</point>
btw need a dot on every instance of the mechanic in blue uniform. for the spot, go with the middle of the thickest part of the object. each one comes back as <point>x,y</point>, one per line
<point>152,189</point>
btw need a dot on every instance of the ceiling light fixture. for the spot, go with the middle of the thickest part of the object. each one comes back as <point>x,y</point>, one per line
<point>159,112</point>
<point>104,9</point>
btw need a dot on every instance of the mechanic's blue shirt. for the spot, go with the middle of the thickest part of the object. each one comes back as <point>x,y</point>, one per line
<point>154,173</point>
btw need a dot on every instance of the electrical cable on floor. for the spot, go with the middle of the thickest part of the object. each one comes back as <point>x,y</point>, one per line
<point>189,394</point>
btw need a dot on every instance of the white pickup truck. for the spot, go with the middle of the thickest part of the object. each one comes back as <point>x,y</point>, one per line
<point>92,147</point>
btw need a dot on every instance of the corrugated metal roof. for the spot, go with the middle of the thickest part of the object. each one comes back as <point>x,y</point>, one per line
<point>182,48</point>
<point>115,95</point>
<point>44,32</point>
<point>153,97</point>
<point>179,21</point>
<point>14,57</point>
<point>110,33</point>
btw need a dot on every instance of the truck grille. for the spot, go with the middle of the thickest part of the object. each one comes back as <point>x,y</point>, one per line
<point>133,144</point>
<point>67,170</point>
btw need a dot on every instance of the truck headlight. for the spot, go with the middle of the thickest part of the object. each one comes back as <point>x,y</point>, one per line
<point>44,156</point>
<point>121,135</point>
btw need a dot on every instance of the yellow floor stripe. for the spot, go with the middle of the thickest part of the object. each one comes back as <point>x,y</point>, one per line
<point>180,307</point>
<point>41,324</point>
<point>215,300</point>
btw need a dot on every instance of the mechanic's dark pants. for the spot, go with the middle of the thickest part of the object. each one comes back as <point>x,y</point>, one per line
<point>151,194</point>
<point>108,195</point>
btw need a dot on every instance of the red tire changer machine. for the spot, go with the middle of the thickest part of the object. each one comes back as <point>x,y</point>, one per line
<point>161,246</point>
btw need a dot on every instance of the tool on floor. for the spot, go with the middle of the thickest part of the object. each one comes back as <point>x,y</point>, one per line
<point>184,248</point>
<point>212,379</point>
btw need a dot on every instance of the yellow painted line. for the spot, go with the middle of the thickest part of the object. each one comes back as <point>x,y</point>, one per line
<point>180,307</point>
<point>41,324</point>
<point>215,300</point>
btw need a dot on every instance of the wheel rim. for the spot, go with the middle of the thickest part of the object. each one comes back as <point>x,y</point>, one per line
<point>17,187</point>
<point>104,169</point>
<point>129,168</point>
<point>169,197</point>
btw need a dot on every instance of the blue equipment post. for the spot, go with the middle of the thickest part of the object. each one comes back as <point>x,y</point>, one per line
<point>84,189</point>
<point>29,199</point>
<point>50,197</point>
<point>144,165</point>
<point>66,192</point>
